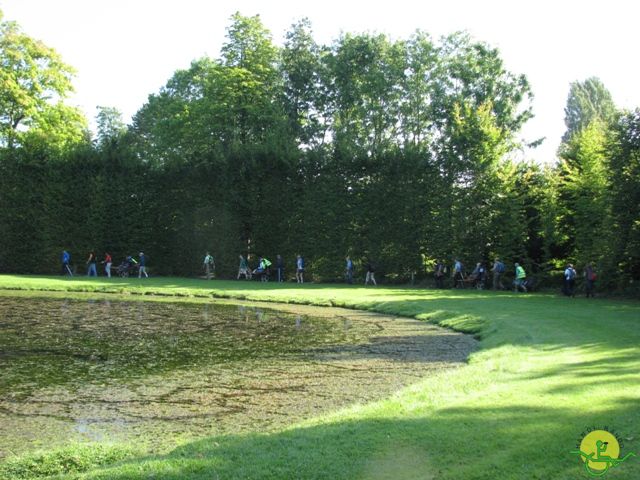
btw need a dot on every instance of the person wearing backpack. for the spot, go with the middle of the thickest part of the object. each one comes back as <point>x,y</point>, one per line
<point>498,271</point>
<point>266,269</point>
<point>589,278</point>
<point>569,281</point>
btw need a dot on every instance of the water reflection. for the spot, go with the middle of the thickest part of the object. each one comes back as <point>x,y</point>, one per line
<point>72,369</point>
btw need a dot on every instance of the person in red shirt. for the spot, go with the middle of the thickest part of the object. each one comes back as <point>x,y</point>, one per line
<point>107,264</point>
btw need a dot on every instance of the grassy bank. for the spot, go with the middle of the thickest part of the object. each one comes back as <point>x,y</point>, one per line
<point>548,368</point>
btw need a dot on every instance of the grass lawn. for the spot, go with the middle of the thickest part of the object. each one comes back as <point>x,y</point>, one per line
<point>548,368</point>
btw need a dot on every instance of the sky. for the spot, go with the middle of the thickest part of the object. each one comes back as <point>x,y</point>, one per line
<point>125,50</point>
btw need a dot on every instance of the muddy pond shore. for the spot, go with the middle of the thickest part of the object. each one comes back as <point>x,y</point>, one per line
<point>104,369</point>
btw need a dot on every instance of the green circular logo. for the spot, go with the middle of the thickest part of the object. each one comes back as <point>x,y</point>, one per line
<point>600,451</point>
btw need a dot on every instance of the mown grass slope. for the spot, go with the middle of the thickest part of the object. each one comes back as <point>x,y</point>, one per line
<point>548,368</point>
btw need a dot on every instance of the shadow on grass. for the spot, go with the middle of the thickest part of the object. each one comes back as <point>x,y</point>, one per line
<point>456,443</point>
<point>616,371</point>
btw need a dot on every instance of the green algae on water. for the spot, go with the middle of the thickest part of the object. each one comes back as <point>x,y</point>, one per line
<point>103,370</point>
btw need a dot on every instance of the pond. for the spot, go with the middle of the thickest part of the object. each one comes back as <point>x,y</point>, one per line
<point>104,370</point>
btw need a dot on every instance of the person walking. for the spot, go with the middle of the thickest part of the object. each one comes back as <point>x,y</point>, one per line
<point>589,278</point>
<point>370,274</point>
<point>439,274</point>
<point>478,275</point>
<point>243,268</point>
<point>142,266</point>
<point>458,274</point>
<point>498,270</point>
<point>66,259</point>
<point>280,268</point>
<point>521,276</point>
<point>569,281</point>
<point>107,265</point>
<point>91,265</point>
<point>207,263</point>
<point>299,269</point>
<point>266,269</point>
<point>349,270</point>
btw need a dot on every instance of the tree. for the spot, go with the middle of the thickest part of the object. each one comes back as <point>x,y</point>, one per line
<point>249,46</point>
<point>585,194</point>
<point>35,82</point>
<point>253,87</point>
<point>366,70</point>
<point>306,86</point>
<point>110,125</point>
<point>625,197</point>
<point>587,101</point>
<point>418,85</point>
<point>391,151</point>
<point>477,107</point>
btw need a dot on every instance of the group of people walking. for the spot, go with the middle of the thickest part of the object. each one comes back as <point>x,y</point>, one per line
<point>263,269</point>
<point>124,269</point>
<point>479,277</point>
<point>569,280</point>
<point>370,276</point>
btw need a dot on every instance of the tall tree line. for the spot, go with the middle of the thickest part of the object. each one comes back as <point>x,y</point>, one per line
<point>398,152</point>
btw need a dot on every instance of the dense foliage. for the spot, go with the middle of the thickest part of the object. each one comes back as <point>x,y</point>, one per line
<point>398,152</point>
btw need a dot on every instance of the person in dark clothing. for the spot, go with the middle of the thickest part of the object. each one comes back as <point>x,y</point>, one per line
<point>569,281</point>
<point>479,274</point>
<point>142,266</point>
<point>458,274</point>
<point>498,270</point>
<point>127,267</point>
<point>370,274</point>
<point>439,274</point>
<point>589,278</point>
<point>280,268</point>
<point>91,265</point>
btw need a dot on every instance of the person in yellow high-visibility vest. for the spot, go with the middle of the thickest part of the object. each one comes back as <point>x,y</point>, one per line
<point>520,278</point>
